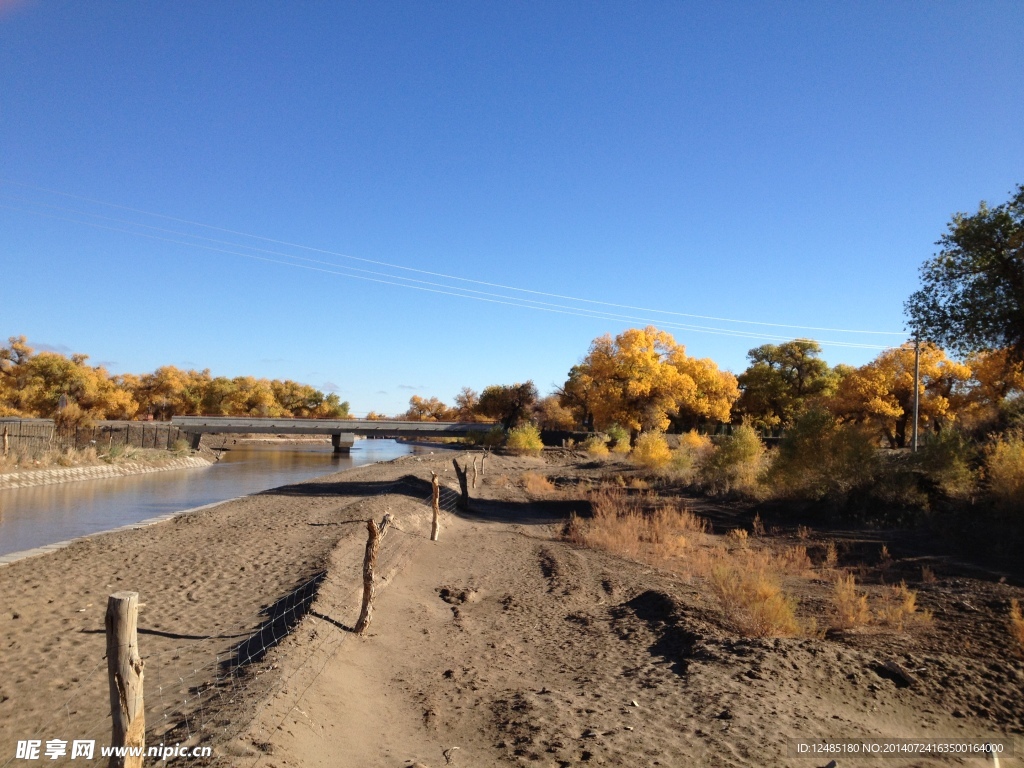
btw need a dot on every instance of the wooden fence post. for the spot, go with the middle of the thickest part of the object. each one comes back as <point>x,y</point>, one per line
<point>460,473</point>
<point>127,713</point>
<point>435,527</point>
<point>474,473</point>
<point>7,442</point>
<point>369,563</point>
<point>483,459</point>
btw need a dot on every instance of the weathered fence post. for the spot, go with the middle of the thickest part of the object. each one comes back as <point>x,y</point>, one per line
<point>435,527</point>
<point>474,473</point>
<point>7,442</point>
<point>128,716</point>
<point>460,473</point>
<point>483,459</point>
<point>376,532</point>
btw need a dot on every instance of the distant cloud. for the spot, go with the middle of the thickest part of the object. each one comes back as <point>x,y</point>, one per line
<point>382,392</point>
<point>42,346</point>
<point>410,386</point>
<point>108,364</point>
<point>330,386</point>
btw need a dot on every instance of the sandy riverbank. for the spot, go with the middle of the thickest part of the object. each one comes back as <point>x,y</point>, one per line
<point>500,644</point>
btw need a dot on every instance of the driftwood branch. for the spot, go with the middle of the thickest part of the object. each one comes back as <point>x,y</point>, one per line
<point>435,527</point>
<point>376,533</point>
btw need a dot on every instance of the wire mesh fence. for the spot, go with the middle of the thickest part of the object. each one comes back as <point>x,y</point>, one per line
<point>31,438</point>
<point>207,690</point>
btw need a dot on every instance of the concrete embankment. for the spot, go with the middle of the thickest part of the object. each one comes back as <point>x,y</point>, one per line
<point>35,477</point>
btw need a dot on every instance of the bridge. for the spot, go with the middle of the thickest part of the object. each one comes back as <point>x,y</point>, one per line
<point>343,432</point>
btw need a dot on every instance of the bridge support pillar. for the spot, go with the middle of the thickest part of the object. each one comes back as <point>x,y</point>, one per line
<point>343,442</point>
<point>193,440</point>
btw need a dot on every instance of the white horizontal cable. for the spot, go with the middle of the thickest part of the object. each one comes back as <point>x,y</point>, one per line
<point>435,274</point>
<point>461,292</point>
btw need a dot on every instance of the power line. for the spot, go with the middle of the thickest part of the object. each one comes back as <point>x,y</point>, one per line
<point>407,282</point>
<point>431,273</point>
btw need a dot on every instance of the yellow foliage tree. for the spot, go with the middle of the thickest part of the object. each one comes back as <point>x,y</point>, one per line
<point>882,392</point>
<point>641,379</point>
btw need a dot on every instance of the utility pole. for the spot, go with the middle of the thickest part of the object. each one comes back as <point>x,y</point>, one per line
<point>917,387</point>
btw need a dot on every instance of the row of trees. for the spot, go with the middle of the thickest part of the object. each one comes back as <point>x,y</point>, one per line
<point>34,384</point>
<point>642,380</point>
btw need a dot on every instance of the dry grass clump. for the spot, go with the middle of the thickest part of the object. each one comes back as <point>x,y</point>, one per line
<point>1016,623</point>
<point>851,606</point>
<point>1004,468</point>
<point>738,536</point>
<point>898,606</point>
<point>754,601</point>
<point>651,451</point>
<point>537,485</point>
<point>595,445</point>
<point>638,527</point>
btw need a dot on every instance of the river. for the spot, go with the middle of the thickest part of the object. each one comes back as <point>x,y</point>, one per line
<point>33,517</point>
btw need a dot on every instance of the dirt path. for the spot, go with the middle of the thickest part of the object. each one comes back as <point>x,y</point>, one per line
<point>501,645</point>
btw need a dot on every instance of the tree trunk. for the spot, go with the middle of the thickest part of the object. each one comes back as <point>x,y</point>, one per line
<point>460,473</point>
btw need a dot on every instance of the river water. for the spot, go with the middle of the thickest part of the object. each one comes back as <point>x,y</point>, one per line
<point>32,517</point>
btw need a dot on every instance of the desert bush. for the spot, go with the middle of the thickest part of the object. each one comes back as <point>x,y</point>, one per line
<point>537,485</point>
<point>651,451</point>
<point>898,605</point>
<point>595,445</point>
<point>619,437</point>
<point>754,602</point>
<point>738,536</point>
<point>735,462</point>
<point>1004,469</point>
<point>819,458</point>
<point>851,607</point>
<point>946,459</point>
<point>1016,623</point>
<point>492,438</point>
<point>524,439</point>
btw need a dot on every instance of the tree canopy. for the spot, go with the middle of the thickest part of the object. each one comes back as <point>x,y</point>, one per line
<point>509,404</point>
<point>782,380</point>
<point>32,384</point>
<point>972,291</point>
<point>641,380</point>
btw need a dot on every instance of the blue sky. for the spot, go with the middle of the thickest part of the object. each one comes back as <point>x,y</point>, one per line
<point>788,163</point>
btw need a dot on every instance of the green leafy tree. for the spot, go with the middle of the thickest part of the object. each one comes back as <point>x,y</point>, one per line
<point>972,291</point>
<point>509,404</point>
<point>782,380</point>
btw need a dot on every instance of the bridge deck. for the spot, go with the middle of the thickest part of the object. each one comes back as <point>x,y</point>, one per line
<point>361,427</point>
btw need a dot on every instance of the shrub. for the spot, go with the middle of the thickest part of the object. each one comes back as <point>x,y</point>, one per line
<point>595,445</point>
<point>524,439</point>
<point>492,438</point>
<point>620,438</point>
<point>651,451</point>
<point>1016,623</point>
<point>754,602</point>
<point>735,462</point>
<point>851,607</point>
<point>538,485</point>
<point>1004,468</point>
<point>898,606</point>
<point>819,458</point>
<point>687,458</point>
<point>946,459</point>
